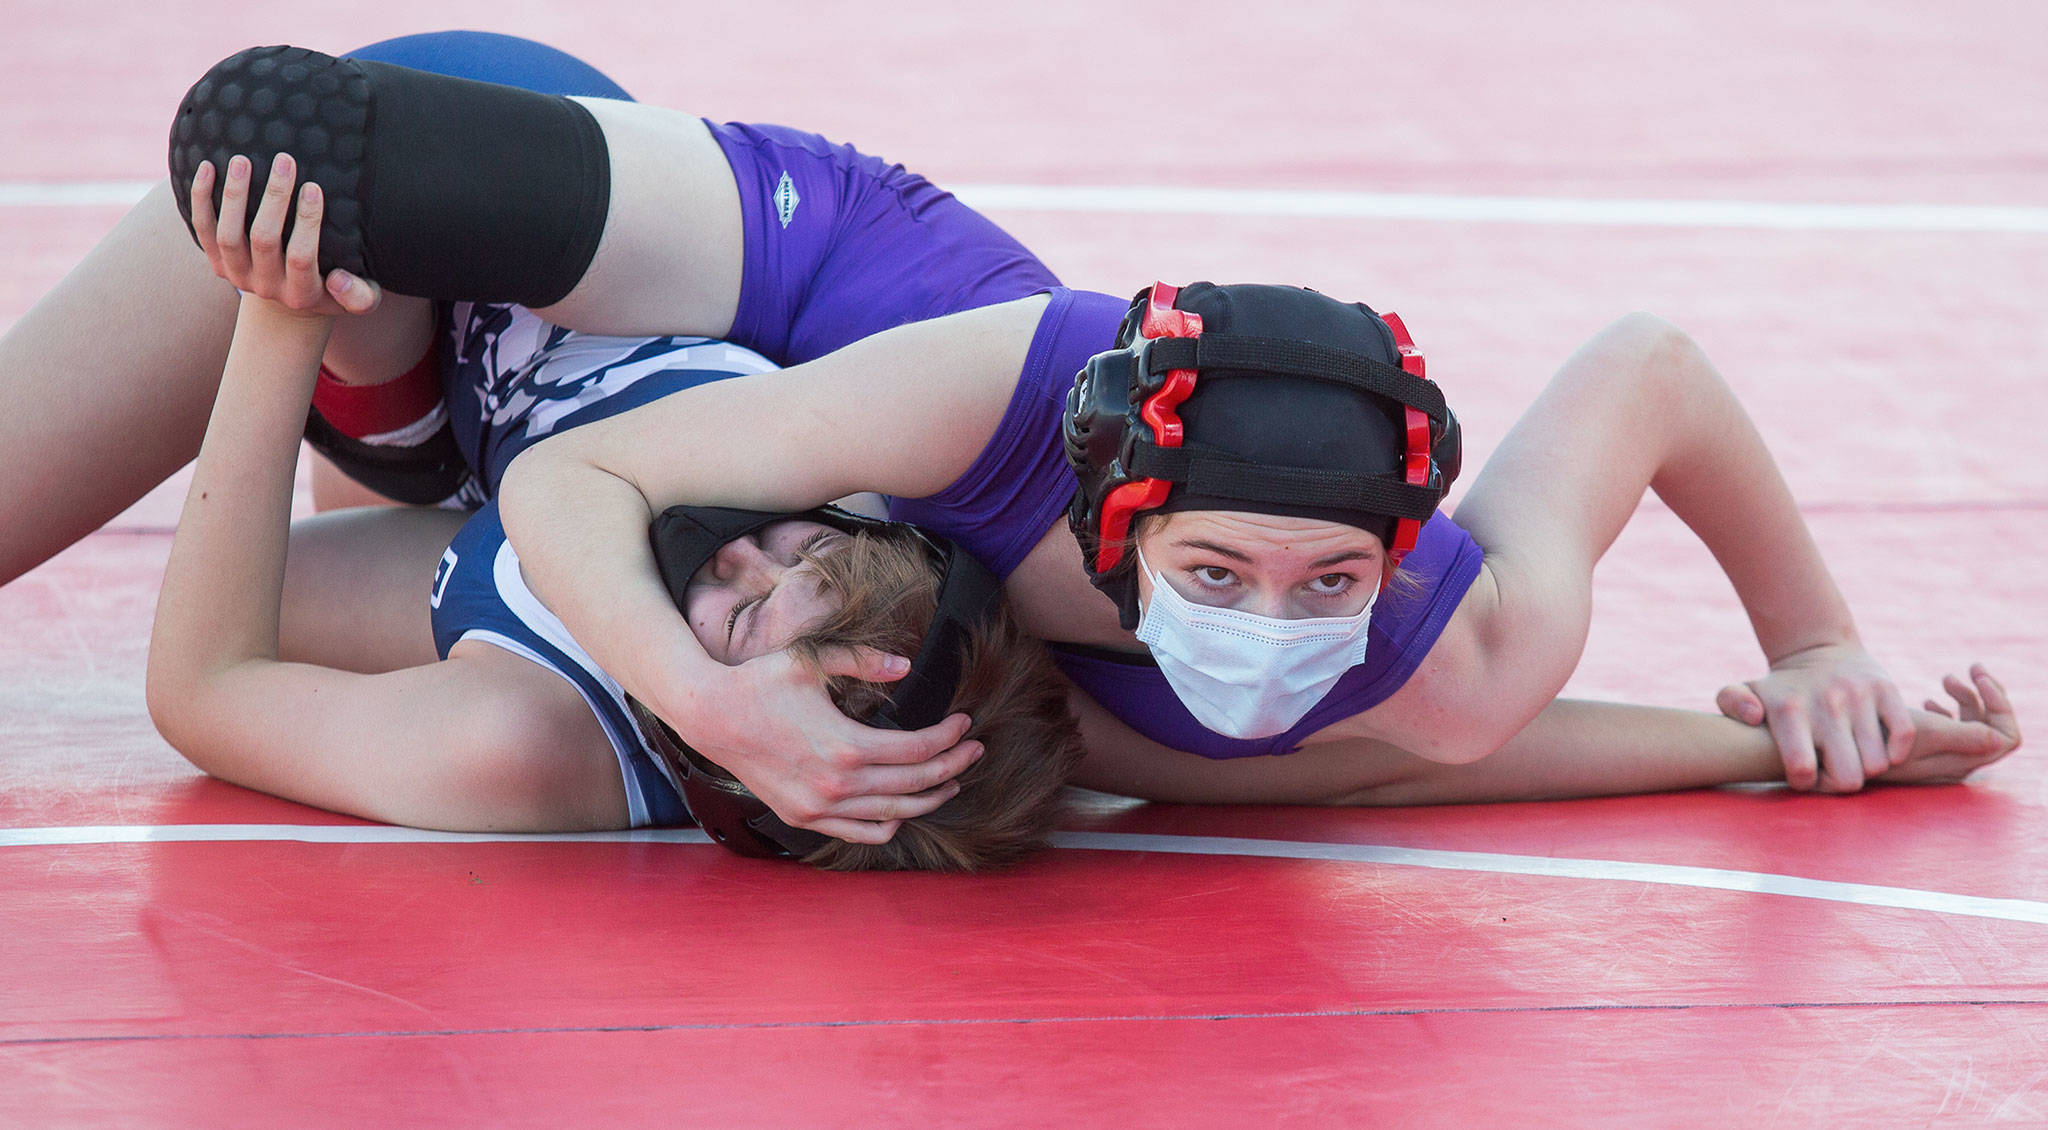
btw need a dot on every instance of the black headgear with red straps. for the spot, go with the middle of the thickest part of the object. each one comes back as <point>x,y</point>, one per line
<point>1270,399</point>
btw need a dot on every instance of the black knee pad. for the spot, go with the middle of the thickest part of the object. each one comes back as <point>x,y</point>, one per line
<point>436,186</point>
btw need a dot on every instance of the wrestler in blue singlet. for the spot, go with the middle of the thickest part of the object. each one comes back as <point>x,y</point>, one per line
<point>513,381</point>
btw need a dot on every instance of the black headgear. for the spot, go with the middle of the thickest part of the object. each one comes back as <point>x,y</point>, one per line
<point>685,537</point>
<point>1335,420</point>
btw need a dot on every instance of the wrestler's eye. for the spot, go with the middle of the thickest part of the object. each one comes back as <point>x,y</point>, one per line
<point>1331,584</point>
<point>812,544</point>
<point>1214,576</point>
<point>732,618</point>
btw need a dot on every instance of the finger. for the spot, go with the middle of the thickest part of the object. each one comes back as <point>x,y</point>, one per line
<point>231,233</point>
<point>1933,707</point>
<point>1998,709</point>
<point>891,808</point>
<point>1794,738</point>
<point>867,664</point>
<point>1869,736</point>
<point>882,780</point>
<point>871,745</point>
<point>857,831</point>
<point>1968,706</point>
<point>354,294</point>
<point>302,285</point>
<point>266,231</point>
<point>1841,763</point>
<point>203,219</point>
<point>1739,702</point>
<point>1898,723</point>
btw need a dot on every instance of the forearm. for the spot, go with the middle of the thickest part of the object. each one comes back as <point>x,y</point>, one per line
<point>1719,478</point>
<point>1577,748</point>
<point>581,535</point>
<point>219,602</point>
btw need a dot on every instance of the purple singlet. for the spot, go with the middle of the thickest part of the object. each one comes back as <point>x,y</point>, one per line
<point>1020,485</point>
<point>841,245</point>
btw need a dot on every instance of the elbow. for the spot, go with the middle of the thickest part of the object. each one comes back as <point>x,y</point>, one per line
<point>1670,367</point>
<point>175,709</point>
<point>186,707</point>
<point>168,696</point>
<point>1478,736</point>
<point>517,484</point>
<point>1464,749</point>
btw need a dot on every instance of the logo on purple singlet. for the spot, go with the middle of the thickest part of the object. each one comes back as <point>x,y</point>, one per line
<point>786,198</point>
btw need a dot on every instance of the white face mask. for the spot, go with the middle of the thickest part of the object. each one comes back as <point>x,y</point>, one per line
<point>1244,675</point>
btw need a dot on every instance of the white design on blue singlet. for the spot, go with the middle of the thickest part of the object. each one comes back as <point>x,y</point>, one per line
<point>442,572</point>
<point>514,380</point>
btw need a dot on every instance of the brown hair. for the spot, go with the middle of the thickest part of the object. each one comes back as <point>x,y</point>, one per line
<point>886,588</point>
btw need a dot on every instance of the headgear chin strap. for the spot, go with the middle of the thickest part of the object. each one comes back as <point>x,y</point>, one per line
<point>684,538</point>
<point>1261,398</point>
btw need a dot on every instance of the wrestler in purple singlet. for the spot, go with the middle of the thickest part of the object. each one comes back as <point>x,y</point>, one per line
<point>1021,483</point>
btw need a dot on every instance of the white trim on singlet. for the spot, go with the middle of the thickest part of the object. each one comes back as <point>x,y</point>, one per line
<point>510,585</point>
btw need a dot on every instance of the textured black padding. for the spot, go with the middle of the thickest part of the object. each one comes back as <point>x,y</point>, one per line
<point>436,186</point>
<point>271,100</point>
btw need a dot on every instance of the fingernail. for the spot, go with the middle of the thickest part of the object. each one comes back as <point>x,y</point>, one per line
<point>895,665</point>
<point>281,165</point>
<point>310,194</point>
<point>238,167</point>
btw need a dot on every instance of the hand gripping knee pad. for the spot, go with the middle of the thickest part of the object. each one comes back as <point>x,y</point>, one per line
<point>436,186</point>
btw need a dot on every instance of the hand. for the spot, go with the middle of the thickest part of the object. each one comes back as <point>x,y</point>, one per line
<point>251,259</point>
<point>776,729</point>
<point>1835,715</point>
<point>1949,746</point>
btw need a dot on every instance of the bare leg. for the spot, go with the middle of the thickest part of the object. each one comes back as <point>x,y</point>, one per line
<point>369,350</point>
<point>356,584</point>
<point>106,384</point>
<point>671,255</point>
<point>334,490</point>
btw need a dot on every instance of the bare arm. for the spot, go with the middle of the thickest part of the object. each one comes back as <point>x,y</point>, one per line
<point>1640,407</point>
<point>1571,749</point>
<point>447,745</point>
<point>903,412</point>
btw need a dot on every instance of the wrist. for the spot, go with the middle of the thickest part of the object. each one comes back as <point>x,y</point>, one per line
<point>277,318</point>
<point>679,681</point>
<point>1792,651</point>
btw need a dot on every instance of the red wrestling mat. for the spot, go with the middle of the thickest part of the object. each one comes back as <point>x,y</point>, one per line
<point>174,956</point>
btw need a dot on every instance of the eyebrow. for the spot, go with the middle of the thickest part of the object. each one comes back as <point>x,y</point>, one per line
<point>1212,547</point>
<point>1337,558</point>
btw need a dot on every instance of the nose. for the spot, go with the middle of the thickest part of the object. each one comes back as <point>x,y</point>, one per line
<point>743,558</point>
<point>1268,602</point>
